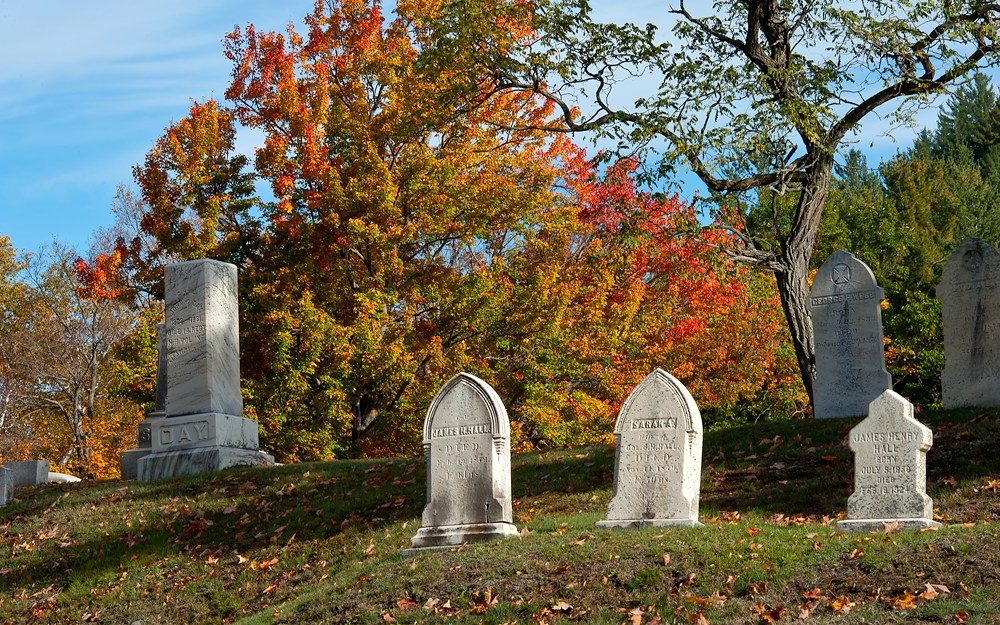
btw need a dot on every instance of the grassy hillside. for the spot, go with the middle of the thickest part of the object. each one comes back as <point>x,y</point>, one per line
<point>319,543</point>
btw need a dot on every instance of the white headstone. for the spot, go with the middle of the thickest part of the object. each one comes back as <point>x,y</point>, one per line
<point>658,439</point>
<point>6,486</point>
<point>467,448</point>
<point>970,308</point>
<point>845,303</point>
<point>890,469</point>
<point>204,429</point>
<point>29,472</point>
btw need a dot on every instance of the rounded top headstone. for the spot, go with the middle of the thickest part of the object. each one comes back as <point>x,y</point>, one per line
<point>461,394</point>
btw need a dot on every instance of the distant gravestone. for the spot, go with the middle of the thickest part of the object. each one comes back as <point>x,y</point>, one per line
<point>845,303</point>
<point>29,472</point>
<point>890,469</point>
<point>203,430</point>
<point>467,448</point>
<point>658,439</point>
<point>130,457</point>
<point>6,486</point>
<point>970,308</point>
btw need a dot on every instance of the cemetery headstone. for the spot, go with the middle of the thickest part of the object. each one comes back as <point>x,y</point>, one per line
<point>130,457</point>
<point>658,442</point>
<point>6,486</point>
<point>203,429</point>
<point>845,303</point>
<point>890,469</point>
<point>29,472</point>
<point>467,452</point>
<point>970,308</point>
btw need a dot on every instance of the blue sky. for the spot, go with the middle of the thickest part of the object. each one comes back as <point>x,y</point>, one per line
<point>87,87</point>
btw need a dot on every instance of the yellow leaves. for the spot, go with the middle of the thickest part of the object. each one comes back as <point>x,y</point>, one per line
<point>842,605</point>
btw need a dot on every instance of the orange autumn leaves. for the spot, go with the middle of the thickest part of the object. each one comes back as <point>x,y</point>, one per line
<point>400,223</point>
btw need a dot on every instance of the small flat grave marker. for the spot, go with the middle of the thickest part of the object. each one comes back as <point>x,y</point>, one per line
<point>658,438</point>
<point>890,469</point>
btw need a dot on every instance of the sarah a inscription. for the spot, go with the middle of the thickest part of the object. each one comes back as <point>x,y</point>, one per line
<point>658,438</point>
<point>467,447</point>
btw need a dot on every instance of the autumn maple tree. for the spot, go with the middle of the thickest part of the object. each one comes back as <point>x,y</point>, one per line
<point>754,97</point>
<point>415,225</point>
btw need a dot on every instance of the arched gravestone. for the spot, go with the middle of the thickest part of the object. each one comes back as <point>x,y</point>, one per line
<point>845,303</point>
<point>890,469</point>
<point>658,439</point>
<point>970,308</point>
<point>467,448</point>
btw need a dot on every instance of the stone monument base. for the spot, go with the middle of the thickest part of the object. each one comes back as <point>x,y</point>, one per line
<point>867,526</point>
<point>449,536</point>
<point>197,460</point>
<point>130,461</point>
<point>643,523</point>
<point>6,486</point>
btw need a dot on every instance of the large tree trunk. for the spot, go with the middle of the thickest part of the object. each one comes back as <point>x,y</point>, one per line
<point>793,289</point>
<point>792,276</point>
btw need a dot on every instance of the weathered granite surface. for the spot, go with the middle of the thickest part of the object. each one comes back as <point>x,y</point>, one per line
<point>970,308</point>
<point>658,438</point>
<point>29,472</point>
<point>6,486</point>
<point>467,449</point>
<point>203,429</point>
<point>845,303</point>
<point>203,340</point>
<point>890,469</point>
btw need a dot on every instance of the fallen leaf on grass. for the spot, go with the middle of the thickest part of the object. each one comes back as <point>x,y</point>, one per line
<point>903,602</point>
<point>933,590</point>
<point>666,559</point>
<point>561,606</point>
<point>961,617</point>
<point>891,528</point>
<point>857,553</point>
<point>405,604</point>
<point>757,588</point>
<point>581,540</point>
<point>842,605</point>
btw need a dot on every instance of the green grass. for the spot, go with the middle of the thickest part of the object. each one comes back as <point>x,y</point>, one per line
<point>319,543</point>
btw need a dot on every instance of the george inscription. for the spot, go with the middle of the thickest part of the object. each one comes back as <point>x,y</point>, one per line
<point>859,296</point>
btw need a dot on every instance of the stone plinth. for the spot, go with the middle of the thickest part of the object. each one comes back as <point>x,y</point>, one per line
<point>467,449</point>
<point>970,308</point>
<point>203,429</point>
<point>658,438</point>
<point>144,435</point>
<point>29,472</point>
<point>890,469</point>
<point>6,486</point>
<point>845,303</point>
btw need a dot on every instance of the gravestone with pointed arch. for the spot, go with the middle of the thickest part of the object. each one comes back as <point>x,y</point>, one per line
<point>890,469</point>
<point>846,307</point>
<point>970,308</point>
<point>658,438</point>
<point>467,450</point>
